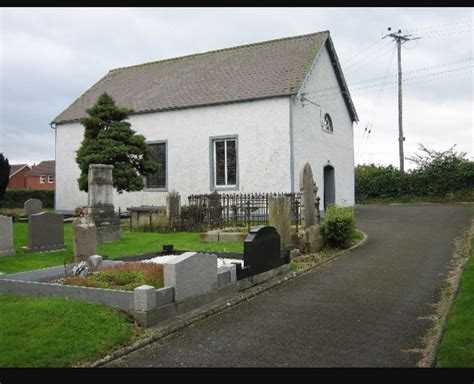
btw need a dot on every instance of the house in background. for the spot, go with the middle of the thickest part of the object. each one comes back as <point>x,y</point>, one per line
<point>242,119</point>
<point>17,178</point>
<point>41,176</point>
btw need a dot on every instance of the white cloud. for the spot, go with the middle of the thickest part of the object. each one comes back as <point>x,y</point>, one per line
<point>50,56</point>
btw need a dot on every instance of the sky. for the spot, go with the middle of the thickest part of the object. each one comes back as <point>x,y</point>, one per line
<point>50,56</point>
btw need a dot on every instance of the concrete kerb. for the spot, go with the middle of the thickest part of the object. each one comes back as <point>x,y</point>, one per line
<point>175,324</point>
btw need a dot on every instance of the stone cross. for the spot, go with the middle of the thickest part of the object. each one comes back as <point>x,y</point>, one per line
<point>6,236</point>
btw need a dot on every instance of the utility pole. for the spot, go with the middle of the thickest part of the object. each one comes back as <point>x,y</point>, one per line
<point>400,40</point>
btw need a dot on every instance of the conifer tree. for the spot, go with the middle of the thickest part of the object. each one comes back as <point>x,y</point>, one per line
<point>4,175</point>
<point>109,139</point>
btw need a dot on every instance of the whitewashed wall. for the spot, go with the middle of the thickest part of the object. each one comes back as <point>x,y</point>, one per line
<point>318,147</point>
<point>263,150</point>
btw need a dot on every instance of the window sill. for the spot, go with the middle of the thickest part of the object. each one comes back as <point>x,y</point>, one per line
<point>233,188</point>
<point>155,189</point>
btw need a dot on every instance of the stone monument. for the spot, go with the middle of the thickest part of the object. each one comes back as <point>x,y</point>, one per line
<point>310,237</point>
<point>84,235</point>
<point>45,232</point>
<point>173,205</point>
<point>6,236</point>
<point>32,207</point>
<point>100,207</point>
<point>279,217</point>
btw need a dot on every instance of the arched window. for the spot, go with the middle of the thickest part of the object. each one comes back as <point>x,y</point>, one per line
<point>327,123</point>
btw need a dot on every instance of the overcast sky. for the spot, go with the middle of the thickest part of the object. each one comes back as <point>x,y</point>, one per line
<point>50,56</point>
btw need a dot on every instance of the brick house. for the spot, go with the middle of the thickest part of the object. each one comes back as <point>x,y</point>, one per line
<point>42,176</point>
<point>17,178</point>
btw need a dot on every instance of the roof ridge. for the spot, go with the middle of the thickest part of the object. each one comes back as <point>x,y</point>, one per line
<point>220,50</point>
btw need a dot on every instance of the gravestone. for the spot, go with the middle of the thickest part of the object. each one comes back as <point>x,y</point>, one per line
<point>279,217</point>
<point>6,236</point>
<point>308,191</point>
<point>84,235</point>
<point>45,232</point>
<point>262,252</point>
<point>173,205</point>
<point>215,209</point>
<point>32,207</point>
<point>100,207</point>
<point>191,275</point>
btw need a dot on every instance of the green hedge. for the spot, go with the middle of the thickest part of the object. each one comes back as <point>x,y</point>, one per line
<point>446,175</point>
<point>16,198</point>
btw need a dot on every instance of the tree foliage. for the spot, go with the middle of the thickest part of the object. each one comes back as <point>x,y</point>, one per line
<point>437,174</point>
<point>109,139</point>
<point>4,175</point>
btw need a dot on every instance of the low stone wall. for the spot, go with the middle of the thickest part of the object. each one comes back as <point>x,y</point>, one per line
<point>223,236</point>
<point>145,303</point>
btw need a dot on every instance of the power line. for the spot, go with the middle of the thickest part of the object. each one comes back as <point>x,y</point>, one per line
<point>355,89</point>
<point>374,79</point>
<point>442,26</point>
<point>360,52</point>
<point>392,84</point>
<point>370,121</point>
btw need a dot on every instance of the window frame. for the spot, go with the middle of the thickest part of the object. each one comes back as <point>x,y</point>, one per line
<point>50,179</point>
<point>212,163</point>
<point>165,188</point>
<point>324,125</point>
<point>42,179</point>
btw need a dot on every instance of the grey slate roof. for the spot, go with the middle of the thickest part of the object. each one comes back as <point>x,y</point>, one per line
<point>248,72</point>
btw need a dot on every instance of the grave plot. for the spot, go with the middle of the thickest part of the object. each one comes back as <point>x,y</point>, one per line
<point>189,279</point>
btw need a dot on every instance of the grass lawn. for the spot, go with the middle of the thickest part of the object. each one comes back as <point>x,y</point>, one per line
<point>57,332</point>
<point>132,243</point>
<point>457,346</point>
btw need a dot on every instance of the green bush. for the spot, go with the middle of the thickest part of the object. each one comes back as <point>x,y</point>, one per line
<point>444,175</point>
<point>15,198</point>
<point>338,226</point>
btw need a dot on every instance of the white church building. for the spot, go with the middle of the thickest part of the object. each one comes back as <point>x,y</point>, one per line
<point>236,120</point>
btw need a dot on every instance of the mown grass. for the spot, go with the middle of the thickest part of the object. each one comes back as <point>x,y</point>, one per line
<point>132,243</point>
<point>57,332</point>
<point>457,347</point>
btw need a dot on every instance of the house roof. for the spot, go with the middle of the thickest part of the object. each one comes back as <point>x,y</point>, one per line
<point>247,72</point>
<point>15,168</point>
<point>47,167</point>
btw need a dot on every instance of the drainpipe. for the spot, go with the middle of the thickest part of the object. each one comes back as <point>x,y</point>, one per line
<point>53,126</point>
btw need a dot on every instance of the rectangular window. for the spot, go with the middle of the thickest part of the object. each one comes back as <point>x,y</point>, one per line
<point>225,162</point>
<point>42,179</point>
<point>158,154</point>
<point>50,179</point>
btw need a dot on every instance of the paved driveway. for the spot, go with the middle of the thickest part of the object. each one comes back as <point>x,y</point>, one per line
<point>367,308</point>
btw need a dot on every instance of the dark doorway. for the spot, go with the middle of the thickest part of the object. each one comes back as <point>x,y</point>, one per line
<point>329,186</point>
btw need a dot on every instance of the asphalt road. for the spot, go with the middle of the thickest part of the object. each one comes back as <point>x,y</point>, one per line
<point>367,308</point>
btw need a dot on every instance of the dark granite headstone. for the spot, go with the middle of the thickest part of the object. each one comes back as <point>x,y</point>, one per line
<point>261,252</point>
<point>45,232</point>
